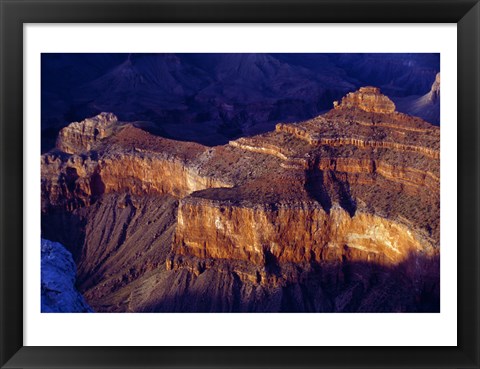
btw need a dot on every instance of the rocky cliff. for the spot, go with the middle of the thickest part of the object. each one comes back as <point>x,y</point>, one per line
<point>306,205</point>
<point>83,136</point>
<point>367,99</point>
<point>58,290</point>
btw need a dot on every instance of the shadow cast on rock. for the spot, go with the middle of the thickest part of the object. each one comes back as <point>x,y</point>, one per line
<point>411,286</point>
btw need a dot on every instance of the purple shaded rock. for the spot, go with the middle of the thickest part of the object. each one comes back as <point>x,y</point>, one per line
<point>59,294</point>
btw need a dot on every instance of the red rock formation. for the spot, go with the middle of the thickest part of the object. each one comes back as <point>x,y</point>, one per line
<point>135,162</point>
<point>290,233</point>
<point>359,184</point>
<point>368,99</point>
<point>83,136</point>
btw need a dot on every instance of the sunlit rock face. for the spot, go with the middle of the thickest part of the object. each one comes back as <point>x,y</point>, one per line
<point>348,199</point>
<point>367,99</point>
<point>291,233</point>
<point>134,161</point>
<point>82,136</point>
<point>58,281</point>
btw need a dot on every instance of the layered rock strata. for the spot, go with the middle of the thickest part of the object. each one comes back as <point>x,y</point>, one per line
<point>82,136</point>
<point>368,99</point>
<point>359,184</point>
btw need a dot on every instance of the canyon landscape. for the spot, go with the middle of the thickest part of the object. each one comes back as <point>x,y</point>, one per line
<point>241,183</point>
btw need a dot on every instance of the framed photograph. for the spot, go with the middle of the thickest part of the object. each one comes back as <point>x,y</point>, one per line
<point>237,184</point>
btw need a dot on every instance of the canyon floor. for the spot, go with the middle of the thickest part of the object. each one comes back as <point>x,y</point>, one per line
<point>339,213</point>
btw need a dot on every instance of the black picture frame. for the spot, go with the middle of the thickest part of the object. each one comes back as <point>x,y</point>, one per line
<point>15,13</point>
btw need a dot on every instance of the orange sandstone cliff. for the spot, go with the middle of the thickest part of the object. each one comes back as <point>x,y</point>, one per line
<point>321,215</point>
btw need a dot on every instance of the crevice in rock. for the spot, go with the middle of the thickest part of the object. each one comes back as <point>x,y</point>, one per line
<point>315,187</point>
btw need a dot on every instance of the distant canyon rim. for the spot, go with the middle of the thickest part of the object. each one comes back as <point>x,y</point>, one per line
<point>213,98</point>
<point>339,213</point>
